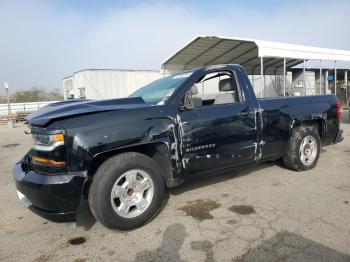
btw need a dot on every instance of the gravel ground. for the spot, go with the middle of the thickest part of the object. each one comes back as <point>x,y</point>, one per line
<point>265,213</point>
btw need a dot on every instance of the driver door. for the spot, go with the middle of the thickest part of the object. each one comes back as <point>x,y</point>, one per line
<point>221,128</point>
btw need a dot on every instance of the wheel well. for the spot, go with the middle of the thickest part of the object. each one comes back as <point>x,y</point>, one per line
<point>157,151</point>
<point>318,123</point>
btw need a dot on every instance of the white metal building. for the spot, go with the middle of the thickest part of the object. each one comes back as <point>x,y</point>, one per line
<point>106,83</point>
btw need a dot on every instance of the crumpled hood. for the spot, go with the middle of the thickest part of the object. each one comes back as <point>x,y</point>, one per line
<point>70,108</point>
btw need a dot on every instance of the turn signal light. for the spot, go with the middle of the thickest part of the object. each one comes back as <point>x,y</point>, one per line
<point>44,161</point>
<point>58,138</point>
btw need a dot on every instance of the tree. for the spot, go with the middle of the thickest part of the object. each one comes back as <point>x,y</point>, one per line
<point>36,94</point>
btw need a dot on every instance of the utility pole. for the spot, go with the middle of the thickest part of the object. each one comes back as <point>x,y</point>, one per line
<point>320,77</point>
<point>9,118</point>
<point>304,79</point>
<point>335,78</point>
<point>262,77</point>
<point>284,76</point>
<point>346,86</point>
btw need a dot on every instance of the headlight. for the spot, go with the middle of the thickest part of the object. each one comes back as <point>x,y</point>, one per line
<point>47,142</point>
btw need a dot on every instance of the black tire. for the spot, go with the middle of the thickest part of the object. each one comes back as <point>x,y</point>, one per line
<point>292,159</point>
<point>104,179</point>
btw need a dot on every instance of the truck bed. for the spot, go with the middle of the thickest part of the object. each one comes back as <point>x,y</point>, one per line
<point>301,103</point>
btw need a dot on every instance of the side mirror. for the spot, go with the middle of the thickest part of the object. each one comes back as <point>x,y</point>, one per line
<point>187,104</point>
<point>184,107</point>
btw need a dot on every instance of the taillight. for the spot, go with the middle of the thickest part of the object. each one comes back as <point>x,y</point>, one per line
<point>338,111</point>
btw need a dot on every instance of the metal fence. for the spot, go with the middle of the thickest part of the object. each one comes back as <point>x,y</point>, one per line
<point>23,107</point>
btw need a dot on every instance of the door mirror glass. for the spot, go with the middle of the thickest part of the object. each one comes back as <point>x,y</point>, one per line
<point>187,101</point>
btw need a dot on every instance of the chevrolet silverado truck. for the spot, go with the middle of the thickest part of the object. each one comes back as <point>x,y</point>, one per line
<point>122,154</point>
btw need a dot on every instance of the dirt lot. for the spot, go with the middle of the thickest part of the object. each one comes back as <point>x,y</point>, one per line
<point>265,213</point>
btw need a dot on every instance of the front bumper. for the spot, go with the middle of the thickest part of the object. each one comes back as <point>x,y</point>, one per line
<point>54,197</point>
<point>339,137</point>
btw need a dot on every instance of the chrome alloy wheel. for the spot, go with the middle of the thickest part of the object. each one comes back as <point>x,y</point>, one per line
<point>308,150</point>
<point>132,193</point>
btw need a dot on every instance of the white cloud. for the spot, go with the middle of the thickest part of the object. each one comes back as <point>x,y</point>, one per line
<point>40,45</point>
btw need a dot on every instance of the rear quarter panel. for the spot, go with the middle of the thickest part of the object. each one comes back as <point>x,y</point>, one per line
<point>280,114</point>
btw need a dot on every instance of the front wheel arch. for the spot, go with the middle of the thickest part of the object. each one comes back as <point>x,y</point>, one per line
<point>107,175</point>
<point>157,151</point>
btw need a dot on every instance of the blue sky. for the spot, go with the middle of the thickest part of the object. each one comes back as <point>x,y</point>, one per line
<point>43,41</point>
<point>99,7</point>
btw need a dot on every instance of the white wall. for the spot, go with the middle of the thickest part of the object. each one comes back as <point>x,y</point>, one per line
<point>298,81</point>
<point>273,85</point>
<point>105,84</point>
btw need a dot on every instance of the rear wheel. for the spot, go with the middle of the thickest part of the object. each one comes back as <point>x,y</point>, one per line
<point>303,149</point>
<point>127,191</point>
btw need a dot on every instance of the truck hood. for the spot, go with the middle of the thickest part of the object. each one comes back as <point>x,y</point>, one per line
<point>66,109</point>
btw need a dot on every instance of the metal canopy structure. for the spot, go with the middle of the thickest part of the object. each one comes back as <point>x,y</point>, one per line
<point>257,56</point>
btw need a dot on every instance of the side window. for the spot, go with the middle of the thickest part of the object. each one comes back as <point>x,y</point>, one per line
<point>215,89</point>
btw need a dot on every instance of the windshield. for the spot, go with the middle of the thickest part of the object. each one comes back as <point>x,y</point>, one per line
<point>158,91</point>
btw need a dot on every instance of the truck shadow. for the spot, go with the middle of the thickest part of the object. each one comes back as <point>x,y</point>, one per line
<point>292,247</point>
<point>85,218</point>
<point>172,241</point>
<point>198,182</point>
<point>219,178</point>
<point>281,247</point>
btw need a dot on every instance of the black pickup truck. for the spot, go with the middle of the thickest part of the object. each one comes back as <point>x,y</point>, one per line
<point>122,154</point>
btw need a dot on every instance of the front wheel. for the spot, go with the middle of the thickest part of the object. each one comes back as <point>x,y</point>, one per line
<point>303,149</point>
<point>127,191</point>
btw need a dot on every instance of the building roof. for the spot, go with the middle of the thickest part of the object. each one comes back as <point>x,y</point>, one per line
<point>209,50</point>
<point>112,69</point>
